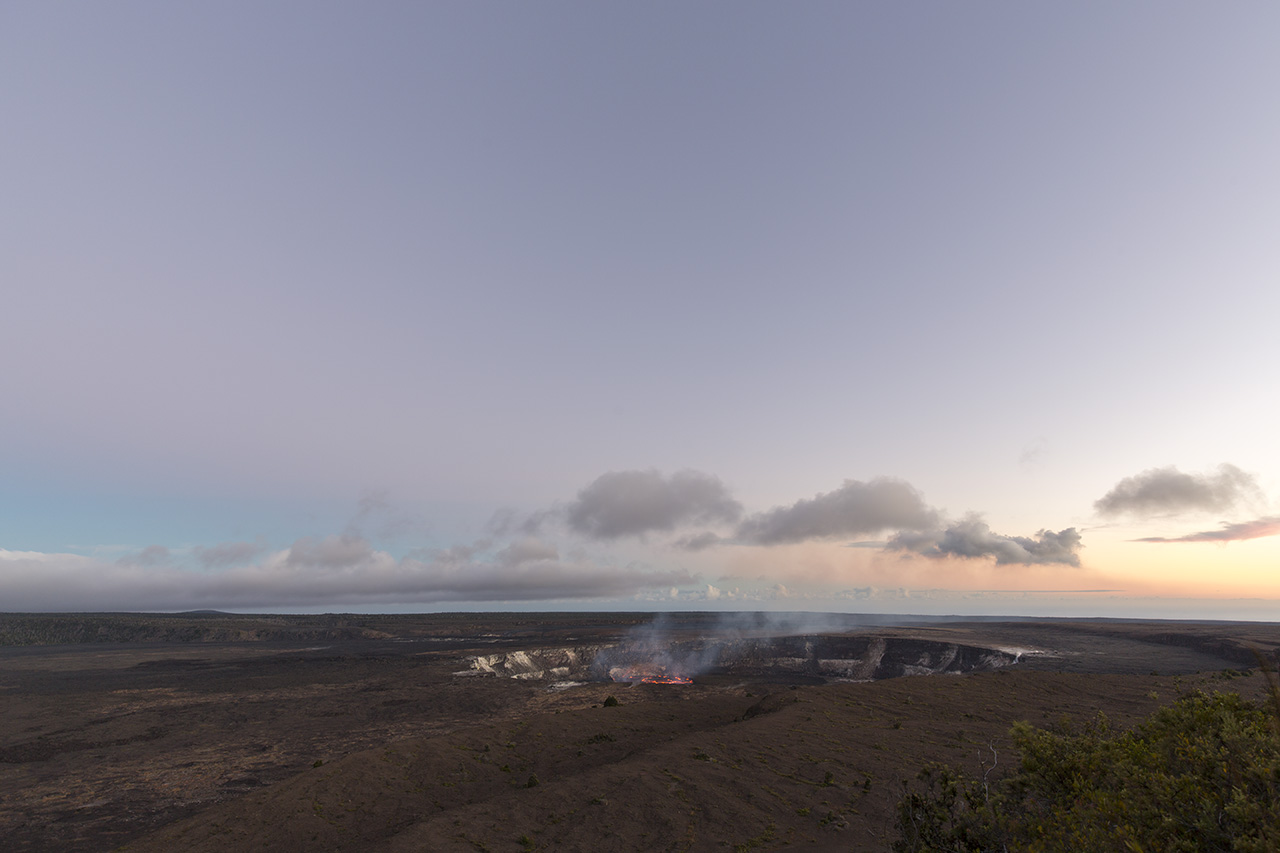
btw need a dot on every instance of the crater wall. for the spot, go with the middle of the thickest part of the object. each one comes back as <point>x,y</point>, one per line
<point>830,658</point>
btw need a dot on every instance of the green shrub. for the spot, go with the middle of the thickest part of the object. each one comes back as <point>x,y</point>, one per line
<point>1202,774</point>
<point>611,702</point>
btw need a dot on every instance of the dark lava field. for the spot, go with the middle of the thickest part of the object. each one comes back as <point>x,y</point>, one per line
<point>508,732</point>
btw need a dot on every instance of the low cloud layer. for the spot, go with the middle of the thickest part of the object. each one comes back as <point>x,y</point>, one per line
<point>518,559</point>
<point>1256,529</point>
<point>335,570</point>
<point>972,538</point>
<point>1168,491</point>
<point>854,509</point>
<point>633,503</point>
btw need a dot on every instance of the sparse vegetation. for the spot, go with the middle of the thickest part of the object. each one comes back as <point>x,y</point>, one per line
<point>1202,774</point>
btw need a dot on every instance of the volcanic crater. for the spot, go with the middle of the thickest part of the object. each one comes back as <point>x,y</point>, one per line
<point>800,659</point>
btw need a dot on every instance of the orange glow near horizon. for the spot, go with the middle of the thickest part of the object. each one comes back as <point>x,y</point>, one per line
<point>1244,569</point>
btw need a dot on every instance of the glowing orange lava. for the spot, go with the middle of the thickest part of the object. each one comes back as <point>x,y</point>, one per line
<point>647,674</point>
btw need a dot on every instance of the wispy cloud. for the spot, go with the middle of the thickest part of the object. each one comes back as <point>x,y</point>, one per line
<point>1256,529</point>
<point>375,511</point>
<point>228,553</point>
<point>152,555</point>
<point>1168,491</point>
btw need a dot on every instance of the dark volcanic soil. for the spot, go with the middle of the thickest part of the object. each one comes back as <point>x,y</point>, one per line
<point>374,743</point>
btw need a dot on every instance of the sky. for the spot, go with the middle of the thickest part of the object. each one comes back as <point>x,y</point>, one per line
<point>862,307</point>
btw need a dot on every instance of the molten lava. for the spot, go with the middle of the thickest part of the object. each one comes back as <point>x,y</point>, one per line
<point>647,674</point>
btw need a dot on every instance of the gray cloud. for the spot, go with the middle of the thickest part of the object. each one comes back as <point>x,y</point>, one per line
<point>854,509</point>
<point>632,503</point>
<point>527,551</point>
<point>1256,529</point>
<point>972,538</point>
<point>1165,491</point>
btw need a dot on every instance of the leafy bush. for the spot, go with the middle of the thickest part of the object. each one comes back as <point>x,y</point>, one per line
<point>1200,775</point>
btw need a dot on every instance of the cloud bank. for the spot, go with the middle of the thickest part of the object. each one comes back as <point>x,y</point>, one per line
<point>632,503</point>
<point>335,570</point>
<point>1168,491</point>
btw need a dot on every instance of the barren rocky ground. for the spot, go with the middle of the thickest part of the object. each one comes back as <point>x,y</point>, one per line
<point>323,733</point>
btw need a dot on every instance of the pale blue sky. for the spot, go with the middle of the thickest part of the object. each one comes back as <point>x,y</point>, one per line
<point>263,260</point>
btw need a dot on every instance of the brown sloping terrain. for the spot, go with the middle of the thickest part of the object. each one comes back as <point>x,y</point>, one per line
<point>818,767</point>
<point>376,743</point>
